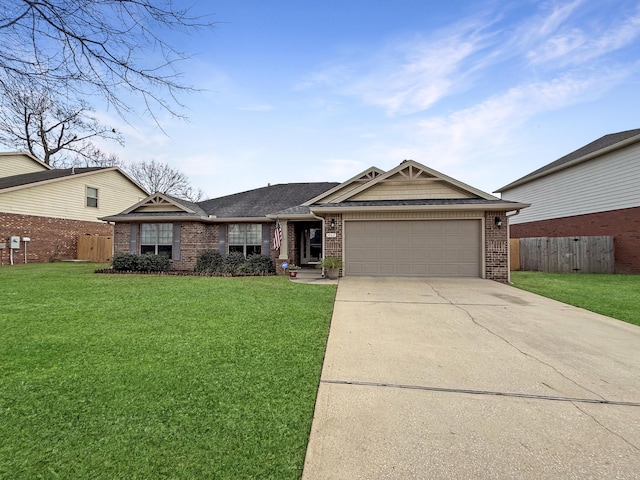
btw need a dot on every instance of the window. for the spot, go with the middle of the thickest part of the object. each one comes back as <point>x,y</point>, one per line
<point>92,197</point>
<point>245,238</point>
<point>156,238</point>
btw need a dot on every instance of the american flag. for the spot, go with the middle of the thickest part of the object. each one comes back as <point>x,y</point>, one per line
<point>277,235</point>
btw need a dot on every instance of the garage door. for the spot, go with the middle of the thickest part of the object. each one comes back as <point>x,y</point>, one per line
<point>448,248</point>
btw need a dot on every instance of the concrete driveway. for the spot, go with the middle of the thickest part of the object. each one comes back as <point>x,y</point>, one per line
<point>469,378</point>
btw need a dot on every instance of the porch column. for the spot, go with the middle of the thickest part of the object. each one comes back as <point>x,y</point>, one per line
<point>284,244</point>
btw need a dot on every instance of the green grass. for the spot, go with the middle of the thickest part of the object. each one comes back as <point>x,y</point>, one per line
<point>616,296</point>
<point>150,377</point>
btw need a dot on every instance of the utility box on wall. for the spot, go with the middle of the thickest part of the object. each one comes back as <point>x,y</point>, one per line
<point>14,243</point>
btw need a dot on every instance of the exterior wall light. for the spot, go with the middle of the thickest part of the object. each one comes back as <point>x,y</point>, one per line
<point>333,223</point>
<point>498,222</point>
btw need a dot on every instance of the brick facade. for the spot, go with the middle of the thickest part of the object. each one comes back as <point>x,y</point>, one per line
<point>496,247</point>
<point>197,238</point>
<point>51,238</point>
<point>623,225</point>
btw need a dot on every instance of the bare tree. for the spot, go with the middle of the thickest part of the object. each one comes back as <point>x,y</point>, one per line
<point>59,133</point>
<point>161,177</point>
<point>105,47</point>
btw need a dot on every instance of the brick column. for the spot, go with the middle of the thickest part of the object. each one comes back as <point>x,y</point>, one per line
<point>496,247</point>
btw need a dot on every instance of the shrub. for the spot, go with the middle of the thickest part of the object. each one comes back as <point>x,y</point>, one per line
<point>210,261</point>
<point>259,265</point>
<point>124,262</point>
<point>148,262</point>
<point>232,263</point>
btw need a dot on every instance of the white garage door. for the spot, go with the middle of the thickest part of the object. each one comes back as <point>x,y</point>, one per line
<point>427,248</point>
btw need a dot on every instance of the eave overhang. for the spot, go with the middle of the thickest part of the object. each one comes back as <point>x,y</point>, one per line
<point>507,206</point>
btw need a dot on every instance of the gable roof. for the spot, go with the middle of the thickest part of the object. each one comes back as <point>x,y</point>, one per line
<point>410,170</point>
<point>26,179</point>
<point>251,204</point>
<point>602,145</point>
<point>263,201</point>
<point>28,156</point>
<point>354,182</point>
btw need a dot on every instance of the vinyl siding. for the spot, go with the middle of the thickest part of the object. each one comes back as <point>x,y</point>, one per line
<point>17,164</point>
<point>67,198</point>
<point>411,189</point>
<point>599,185</point>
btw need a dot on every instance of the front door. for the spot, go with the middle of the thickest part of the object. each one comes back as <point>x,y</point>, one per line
<point>310,241</point>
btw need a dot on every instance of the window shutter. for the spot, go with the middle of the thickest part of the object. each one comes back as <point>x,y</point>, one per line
<point>266,239</point>
<point>133,237</point>
<point>222,239</point>
<point>175,250</point>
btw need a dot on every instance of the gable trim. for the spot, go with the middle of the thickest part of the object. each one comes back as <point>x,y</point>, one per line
<point>410,165</point>
<point>366,175</point>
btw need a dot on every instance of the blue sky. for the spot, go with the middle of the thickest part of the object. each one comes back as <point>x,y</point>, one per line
<point>484,92</point>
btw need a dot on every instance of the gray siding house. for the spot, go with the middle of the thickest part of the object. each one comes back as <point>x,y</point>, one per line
<point>594,190</point>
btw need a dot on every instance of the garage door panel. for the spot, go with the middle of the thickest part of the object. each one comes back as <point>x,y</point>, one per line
<point>413,248</point>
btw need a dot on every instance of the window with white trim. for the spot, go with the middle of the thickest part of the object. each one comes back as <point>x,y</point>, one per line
<point>92,197</point>
<point>156,238</point>
<point>245,238</point>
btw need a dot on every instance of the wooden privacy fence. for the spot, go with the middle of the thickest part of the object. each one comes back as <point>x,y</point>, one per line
<point>564,254</point>
<point>95,248</point>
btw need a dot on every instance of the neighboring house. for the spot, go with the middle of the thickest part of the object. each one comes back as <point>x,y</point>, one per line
<point>594,190</point>
<point>52,207</point>
<point>409,221</point>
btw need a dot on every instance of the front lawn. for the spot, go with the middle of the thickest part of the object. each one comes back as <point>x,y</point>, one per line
<point>140,377</point>
<point>616,296</point>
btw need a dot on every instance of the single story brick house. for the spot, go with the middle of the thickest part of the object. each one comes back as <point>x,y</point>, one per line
<point>592,191</point>
<point>409,221</point>
<point>53,207</point>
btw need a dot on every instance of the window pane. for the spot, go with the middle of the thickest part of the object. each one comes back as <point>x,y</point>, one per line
<point>165,234</point>
<point>165,250</point>
<point>147,249</point>
<point>92,197</point>
<point>236,248</point>
<point>254,234</point>
<point>148,233</point>
<point>253,249</point>
<point>236,234</point>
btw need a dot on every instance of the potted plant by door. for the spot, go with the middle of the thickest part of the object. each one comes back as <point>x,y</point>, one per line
<point>332,265</point>
<point>293,270</point>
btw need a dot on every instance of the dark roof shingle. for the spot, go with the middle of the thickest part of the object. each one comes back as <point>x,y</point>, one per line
<point>599,144</point>
<point>264,201</point>
<point>36,177</point>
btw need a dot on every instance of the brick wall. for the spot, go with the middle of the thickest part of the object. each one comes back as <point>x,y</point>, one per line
<point>195,239</point>
<point>333,246</point>
<point>51,238</point>
<point>623,225</point>
<point>496,248</point>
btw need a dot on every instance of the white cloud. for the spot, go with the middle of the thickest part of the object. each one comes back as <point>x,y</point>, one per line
<point>572,45</point>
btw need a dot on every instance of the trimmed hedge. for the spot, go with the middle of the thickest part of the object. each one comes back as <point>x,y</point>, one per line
<point>234,264</point>
<point>148,262</point>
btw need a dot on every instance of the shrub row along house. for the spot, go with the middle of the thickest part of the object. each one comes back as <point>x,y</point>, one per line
<point>409,221</point>
<point>47,209</point>
<point>593,191</point>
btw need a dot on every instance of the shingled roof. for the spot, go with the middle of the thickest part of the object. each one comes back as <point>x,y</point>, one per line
<point>264,201</point>
<point>46,175</point>
<point>574,157</point>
